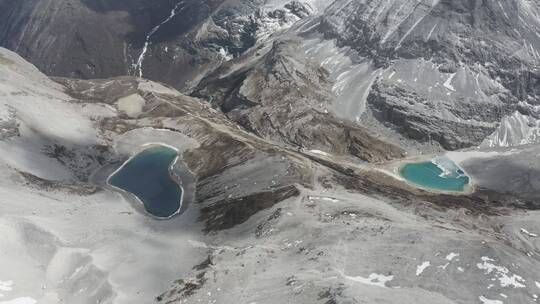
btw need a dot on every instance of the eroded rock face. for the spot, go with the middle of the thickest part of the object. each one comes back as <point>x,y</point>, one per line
<point>267,209</point>
<point>284,97</point>
<point>66,38</point>
<point>515,130</point>
<point>454,125</point>
<point>96,39</point>
<point>437,72</point>
<point>460,56</point>
<point>466,57</point>
<point>174,41</point>
<point>463,55</point>
<point>449,31</point>
<point>233,212</point>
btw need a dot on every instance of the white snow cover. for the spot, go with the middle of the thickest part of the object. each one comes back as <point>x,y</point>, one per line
<point>268,24</point>
<point>42,114</point>
<point>225,54</point>
<point>23,300</point>
<point>323,198</point>
<point>396,19</point>
<point>515,130</point>
<point>7,286</point>
<point>319,152</point>
<point>485,300</point>
<point>448,83</point>
<point>373,279</point>
<point>420,268</point>
<point>525,231</point>
<point>317,5</point>
<point>451,256</point>
<point>501,273</point>
<point>67,246</point>
<point>38,104</point>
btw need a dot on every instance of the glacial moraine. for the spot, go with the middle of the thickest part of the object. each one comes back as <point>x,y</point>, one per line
<point>148,176</point>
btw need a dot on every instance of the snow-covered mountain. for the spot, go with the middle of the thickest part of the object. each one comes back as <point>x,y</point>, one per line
<point>169,40</point>
<point>292,120</point>
<point>421,73</point>
<point>515,130</point>
<point>448,70</point>
<point>66,236</point>
<point>258,212</point>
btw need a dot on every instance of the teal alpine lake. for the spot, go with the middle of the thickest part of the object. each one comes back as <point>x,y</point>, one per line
<point>147,176</point>
<point>440,174</point>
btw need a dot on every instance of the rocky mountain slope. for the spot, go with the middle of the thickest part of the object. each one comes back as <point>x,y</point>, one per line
<point>474,62</point>
<point>257,212</point>
<point>61,141</point>
<point>168,40</point>
<point>421,74</point>
<point>285,99</point>
<point>291,119</point>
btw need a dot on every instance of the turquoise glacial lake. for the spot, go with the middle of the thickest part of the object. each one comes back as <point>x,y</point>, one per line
<point>440,174</point>
<point>147,176</point>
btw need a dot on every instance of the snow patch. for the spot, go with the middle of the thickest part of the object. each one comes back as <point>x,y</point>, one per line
<point>515,130</point>
<point>319,152</point>
<point>373,279</point>
<point>451,256</point>
<point>225,55</point>
<point>524,231</point>
<point>485,300</point>
<point>23,300</point>
<point>6,285</point>
<point>501,273</point>
<point>448,83</point>
<point>443,267</point>
<point>420,268</point>
<point>323,198</point>
<point>277,17</point>
<point>431,32</point>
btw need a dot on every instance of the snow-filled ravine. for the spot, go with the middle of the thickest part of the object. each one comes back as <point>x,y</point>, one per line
<point>148,176</point>
<point>440,173</point>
